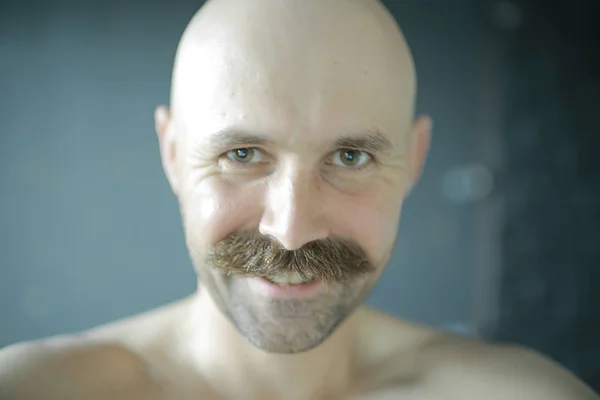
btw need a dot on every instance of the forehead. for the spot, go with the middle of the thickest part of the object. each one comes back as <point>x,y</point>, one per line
<point>300,87</point>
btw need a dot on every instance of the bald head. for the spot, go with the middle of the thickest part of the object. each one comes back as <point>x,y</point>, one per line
<point>291,121</point>
<point>301,60</point>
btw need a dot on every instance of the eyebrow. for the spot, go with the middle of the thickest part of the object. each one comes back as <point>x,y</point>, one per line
<point>232,137</point>
<point>373,142</point>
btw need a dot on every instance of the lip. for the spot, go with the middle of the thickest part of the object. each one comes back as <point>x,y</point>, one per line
<point>263,287</point>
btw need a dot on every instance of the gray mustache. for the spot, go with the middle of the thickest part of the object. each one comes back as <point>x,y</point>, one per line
<point>331,260</point>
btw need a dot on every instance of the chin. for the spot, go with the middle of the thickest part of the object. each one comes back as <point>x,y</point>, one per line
<point>290,326</point>
<point>289,340</point>
<point>276,347</point>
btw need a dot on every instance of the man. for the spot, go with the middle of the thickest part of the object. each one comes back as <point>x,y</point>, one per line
<point>290,145</point>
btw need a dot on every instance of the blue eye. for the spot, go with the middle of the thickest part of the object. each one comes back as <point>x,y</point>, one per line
<point>350,158</point>
<point>247,155</point>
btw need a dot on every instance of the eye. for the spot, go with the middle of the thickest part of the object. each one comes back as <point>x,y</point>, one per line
<point>350,158</point>
<point>247,155</point>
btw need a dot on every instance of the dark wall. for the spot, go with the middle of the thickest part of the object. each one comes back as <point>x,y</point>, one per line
<point>550,285</point>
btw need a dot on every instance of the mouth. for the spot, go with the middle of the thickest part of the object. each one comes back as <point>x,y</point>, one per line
<point>284,285</point>
<point>292,278</point>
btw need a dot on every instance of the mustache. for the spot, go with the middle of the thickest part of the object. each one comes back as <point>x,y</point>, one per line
<point>331,260</point>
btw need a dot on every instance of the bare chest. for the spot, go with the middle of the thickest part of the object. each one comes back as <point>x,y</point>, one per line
<point>186,387</point>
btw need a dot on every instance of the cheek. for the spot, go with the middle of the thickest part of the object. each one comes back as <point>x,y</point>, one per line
<point>371,219</point>
<point>214,209</point>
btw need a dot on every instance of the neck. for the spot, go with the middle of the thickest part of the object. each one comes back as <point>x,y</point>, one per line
<point>228,361</point>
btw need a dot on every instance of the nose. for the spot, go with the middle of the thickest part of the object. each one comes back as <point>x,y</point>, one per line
<point>293,213</point>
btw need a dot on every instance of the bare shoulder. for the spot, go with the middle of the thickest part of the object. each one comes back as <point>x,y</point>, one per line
<point>471,369</point>
<point>73,368</point>
<point>411,361</point>
<point>116,361</point>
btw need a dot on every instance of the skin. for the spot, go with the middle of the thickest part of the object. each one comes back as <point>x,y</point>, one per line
<point>286,80</point>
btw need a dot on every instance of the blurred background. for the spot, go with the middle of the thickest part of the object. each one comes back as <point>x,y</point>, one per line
<point>501,239</point>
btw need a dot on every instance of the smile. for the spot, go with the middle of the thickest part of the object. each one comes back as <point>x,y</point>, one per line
<point>292,278</point>
<point>282,286</point>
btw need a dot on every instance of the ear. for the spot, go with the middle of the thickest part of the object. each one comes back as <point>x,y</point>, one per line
<point>166,139</point>
<point>420,139</point>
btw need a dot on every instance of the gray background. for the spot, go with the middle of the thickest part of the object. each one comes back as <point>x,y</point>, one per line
<point>91,229</point>
<point>90,232</point>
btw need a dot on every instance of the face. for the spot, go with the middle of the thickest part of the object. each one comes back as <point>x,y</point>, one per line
<point>290,177</point>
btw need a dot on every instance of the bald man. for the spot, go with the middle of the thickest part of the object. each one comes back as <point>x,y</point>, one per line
<point>290,145</point>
